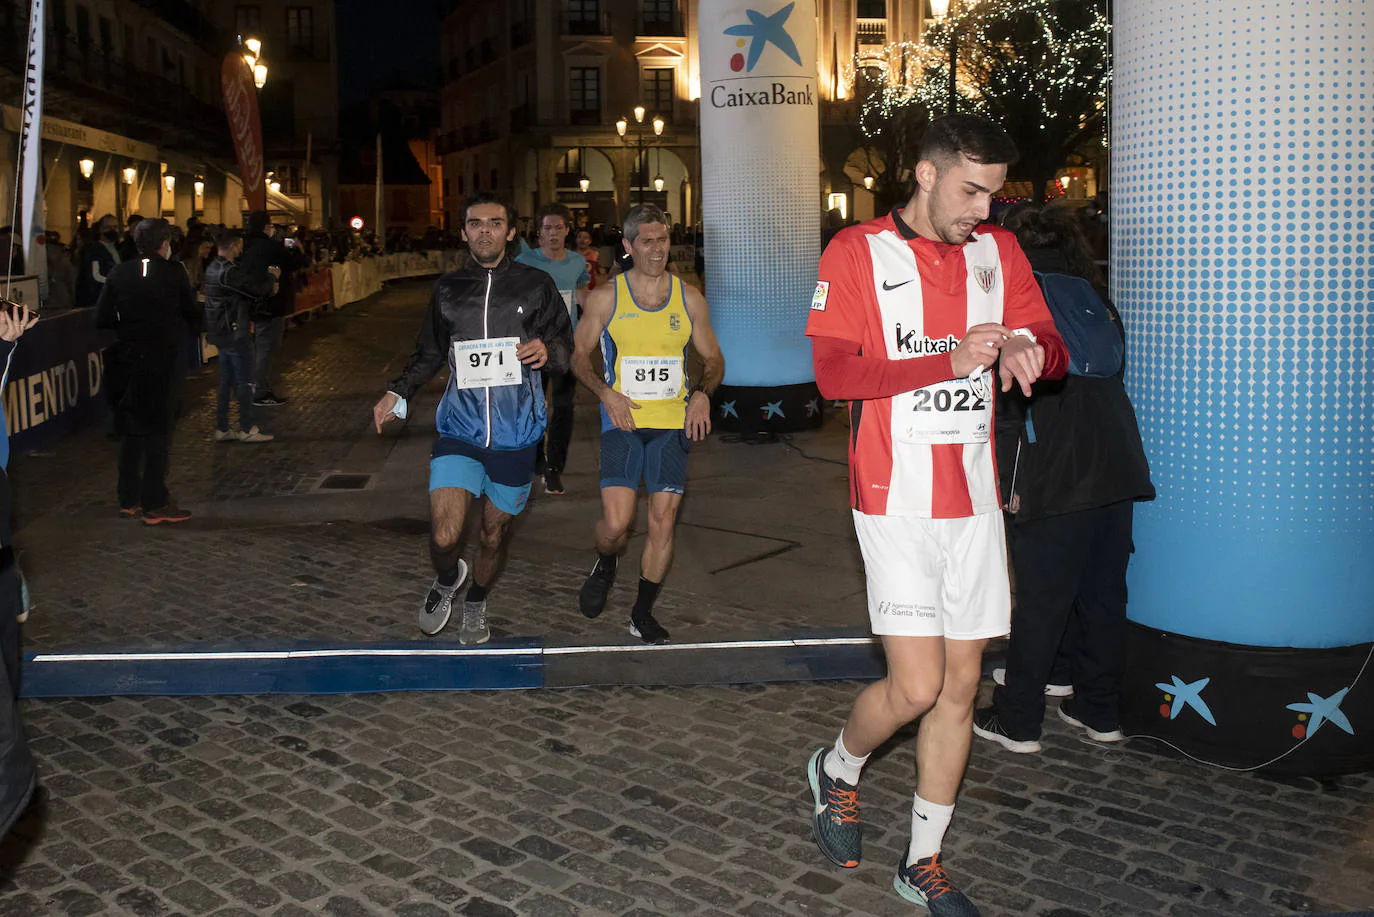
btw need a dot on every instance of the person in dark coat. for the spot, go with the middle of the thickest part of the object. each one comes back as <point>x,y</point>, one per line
<point>149,304</point>
<point>1069,493</point>
<point>18,776</point>
<point>260,252</point>
<point>230,293</point>
<point>128,247</point>
<point>98,257</point>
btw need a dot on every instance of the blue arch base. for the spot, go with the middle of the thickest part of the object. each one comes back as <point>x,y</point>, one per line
<point>752,411</point>
<point>1278,709</point>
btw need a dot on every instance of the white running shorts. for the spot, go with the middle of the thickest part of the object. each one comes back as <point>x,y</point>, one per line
<point>936,577</point>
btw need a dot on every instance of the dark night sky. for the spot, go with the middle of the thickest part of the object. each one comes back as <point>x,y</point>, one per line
<point>381,41</point>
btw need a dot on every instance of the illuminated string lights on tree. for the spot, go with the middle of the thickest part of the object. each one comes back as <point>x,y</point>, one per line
<point>1049,55</point>
<point>1040,68</point>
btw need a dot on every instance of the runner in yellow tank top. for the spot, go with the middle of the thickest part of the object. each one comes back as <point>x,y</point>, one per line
<point>650,409</point>
<point>644,351</point>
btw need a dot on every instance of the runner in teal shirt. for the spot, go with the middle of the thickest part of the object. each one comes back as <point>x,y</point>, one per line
<point>569,272</point>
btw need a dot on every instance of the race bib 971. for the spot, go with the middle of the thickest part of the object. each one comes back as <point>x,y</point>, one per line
<point>486,363</point>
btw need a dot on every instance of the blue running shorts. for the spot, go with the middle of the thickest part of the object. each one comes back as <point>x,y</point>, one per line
<point>480,471</point>
<point>657,457</point>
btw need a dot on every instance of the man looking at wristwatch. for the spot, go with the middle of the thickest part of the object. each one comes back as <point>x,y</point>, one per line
<point>916,317</point>
<point>643,321</point>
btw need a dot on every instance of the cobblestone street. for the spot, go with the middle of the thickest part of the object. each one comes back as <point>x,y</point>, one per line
<point>632,802</point>
<point>626,801</point>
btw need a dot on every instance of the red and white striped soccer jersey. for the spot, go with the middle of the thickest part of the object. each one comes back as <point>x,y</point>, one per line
<point>902,296</point>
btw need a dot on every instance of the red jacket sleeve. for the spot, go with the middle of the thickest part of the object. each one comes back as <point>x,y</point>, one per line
<point>1024,307</point>
<point>843,373</point>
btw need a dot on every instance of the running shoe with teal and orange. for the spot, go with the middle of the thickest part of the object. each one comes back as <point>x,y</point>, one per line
<point>835,821</point>
<point>926,883</point>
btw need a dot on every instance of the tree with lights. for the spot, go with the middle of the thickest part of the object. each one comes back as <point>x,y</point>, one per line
<point>1039,68</point>
<point>892,117</point>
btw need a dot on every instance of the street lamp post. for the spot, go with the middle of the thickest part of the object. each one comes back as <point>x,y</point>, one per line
<point>939,9</point>
<point>642,139</point>
<point>252,56</point>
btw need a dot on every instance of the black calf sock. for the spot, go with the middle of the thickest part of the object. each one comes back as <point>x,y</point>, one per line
<point>476,593</point>
<point>449,578</point>
<point>644,602</point>
<point>605,565</point>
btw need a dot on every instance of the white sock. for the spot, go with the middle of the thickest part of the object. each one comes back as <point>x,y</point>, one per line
<point>928,824</point>
<point>841,764</point>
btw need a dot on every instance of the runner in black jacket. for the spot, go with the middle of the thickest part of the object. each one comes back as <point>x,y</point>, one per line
<point>496,324</point>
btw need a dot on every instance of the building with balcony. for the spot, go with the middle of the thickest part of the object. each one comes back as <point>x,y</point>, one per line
<point>133,116</point>
<point>533,91</point>
<point>133,119</point>
<point>299,103</point>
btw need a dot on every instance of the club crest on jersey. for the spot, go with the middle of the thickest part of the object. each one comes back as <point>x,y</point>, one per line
<point>674,323</point>
<point>985,275</point>
<point>821,295</point>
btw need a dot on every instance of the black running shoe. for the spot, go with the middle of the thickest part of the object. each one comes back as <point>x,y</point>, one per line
<point>647,629</point>
<point>926,883</point>
<point>553,481</point>
<point>591,598</point>
<point>1068,712</point>
<point>835,821</point>
<point>987,724</point>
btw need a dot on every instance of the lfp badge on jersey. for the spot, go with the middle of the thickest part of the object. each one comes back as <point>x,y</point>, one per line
<point>986,276</point>
<point>821,295</point>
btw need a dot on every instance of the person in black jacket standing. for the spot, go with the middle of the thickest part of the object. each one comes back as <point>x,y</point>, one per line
<point>230,292</point>
<point>498,326</point>
<point>98,257</point>
<point>1069,492</point>
<point>149,304</point>
<point>260,252</point>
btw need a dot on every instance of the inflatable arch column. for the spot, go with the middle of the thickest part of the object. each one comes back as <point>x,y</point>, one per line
<point>1240,192</point>
<point>760,163</point>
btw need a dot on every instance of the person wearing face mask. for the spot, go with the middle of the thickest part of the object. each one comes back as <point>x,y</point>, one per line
<point>498,326</point>
<point>98,258</point>
<point>149,305</point>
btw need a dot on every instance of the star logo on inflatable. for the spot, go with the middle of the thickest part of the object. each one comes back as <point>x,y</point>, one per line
<point>1324,709</point>
<point>1186,694</point>
<point>813,407</point>
<point>763,31</point>
<point>773,409</point>
<point>727,409</point>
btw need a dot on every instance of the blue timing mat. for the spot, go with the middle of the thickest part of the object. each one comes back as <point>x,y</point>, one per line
<point>314,668</point>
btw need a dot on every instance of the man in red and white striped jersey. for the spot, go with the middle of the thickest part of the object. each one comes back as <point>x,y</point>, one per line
<point>913,315</point>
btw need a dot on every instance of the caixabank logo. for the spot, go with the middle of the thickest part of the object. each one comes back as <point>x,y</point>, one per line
<point>752,40</point>
<point>762,31</point>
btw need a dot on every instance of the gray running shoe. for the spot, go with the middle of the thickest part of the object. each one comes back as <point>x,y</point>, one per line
<point>835,820</point>
<point>434,614</point>
<point>475,628</point>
